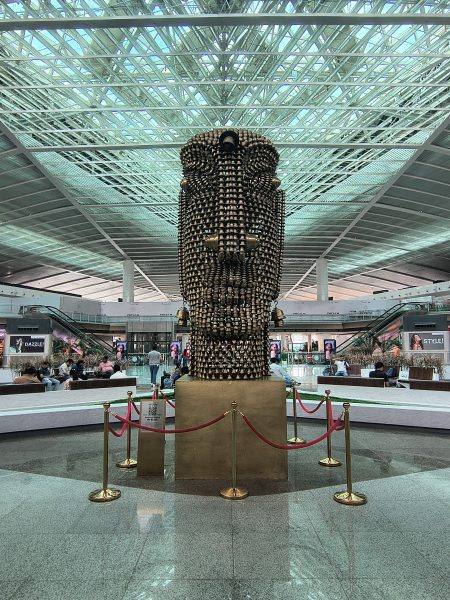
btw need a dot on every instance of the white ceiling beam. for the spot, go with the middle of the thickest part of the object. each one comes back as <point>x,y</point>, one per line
<point>222,20</point>
<point>226,82</point>
<point>326,53</point>
<point>159,145</point>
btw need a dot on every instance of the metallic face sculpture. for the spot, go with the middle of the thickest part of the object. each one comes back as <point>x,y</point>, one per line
<point>231,223</point>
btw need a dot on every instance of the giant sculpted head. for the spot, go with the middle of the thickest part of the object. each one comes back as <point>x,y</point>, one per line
<point>230,241</point>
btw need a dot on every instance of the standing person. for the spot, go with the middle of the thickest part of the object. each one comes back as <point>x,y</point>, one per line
<point>51,383</point>
<point>185,358</point>
<point>154,360</point>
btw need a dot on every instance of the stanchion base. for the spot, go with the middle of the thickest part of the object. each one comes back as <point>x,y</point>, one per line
<point>104,495</point>
<point>329,462</point>
<point>127,463</point>
<point>352,499</point>
<point>296,440</point>
<point>231,493</point>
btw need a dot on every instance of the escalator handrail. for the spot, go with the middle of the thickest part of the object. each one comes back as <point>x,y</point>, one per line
<point>390,313</point>
<point>70,322</point>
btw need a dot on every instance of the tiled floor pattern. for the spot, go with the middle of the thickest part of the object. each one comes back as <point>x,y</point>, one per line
<point>172,540</point>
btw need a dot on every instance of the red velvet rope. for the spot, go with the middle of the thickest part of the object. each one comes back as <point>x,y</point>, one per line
<point>135,407</point>
<point>292,446</point>
<point>124,426</point>
<point>307,410</point>
<point>170,403</point>
<point>185,430</point>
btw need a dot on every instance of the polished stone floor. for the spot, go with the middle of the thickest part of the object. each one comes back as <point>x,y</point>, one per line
<point>178,540</point>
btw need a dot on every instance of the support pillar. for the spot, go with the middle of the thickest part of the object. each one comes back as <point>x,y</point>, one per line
<point>128,281</point>
<point>322,279</point>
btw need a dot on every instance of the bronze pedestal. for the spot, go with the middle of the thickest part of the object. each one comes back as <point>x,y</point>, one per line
<point>206,454</point>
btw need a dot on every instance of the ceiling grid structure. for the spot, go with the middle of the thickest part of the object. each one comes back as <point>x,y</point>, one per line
<point>98,96</point>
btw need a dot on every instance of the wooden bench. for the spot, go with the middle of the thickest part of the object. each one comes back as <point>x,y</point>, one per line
<point>21,388</point>
<point>423,384</point>
<point>93,384</point>
<point>354,381</point>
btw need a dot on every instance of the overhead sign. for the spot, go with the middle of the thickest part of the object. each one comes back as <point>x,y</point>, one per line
<point>26,344</point>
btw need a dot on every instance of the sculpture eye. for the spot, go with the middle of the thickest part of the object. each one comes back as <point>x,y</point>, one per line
<point>197,159</point>
<point>260,159</point>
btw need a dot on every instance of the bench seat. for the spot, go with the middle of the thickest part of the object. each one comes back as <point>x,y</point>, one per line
<point>354,381</point>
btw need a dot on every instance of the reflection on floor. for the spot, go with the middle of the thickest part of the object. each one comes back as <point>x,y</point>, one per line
<point>171,540</point>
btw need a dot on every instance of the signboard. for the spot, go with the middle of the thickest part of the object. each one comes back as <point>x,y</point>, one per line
<point>26,344</point>
<point>152,413</point>
<point>151,445</point>
<point>329,347</point>
<point>426,341</point>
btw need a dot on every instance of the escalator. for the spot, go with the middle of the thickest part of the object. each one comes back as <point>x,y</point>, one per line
<point>376,327</point>
<point>89,339</point>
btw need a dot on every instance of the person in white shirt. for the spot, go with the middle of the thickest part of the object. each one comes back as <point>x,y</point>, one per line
<point>277,370</point>
<point>117,372</point>
<point>154,360</point>
<point>64,369</point>
<point>341,368</point>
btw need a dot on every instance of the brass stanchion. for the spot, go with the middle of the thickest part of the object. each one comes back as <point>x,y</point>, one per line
<point>329,461</point>
<point>295,439</point>
<point>105,494</point>
<point>128,462</point>
<point>349,496</point>
<point>234,492</point>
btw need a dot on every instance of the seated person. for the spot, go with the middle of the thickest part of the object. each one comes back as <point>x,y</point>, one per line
<point>117,374</point>
<point>379,372</point>
<point>105,369</point>
<point>278,371</point>
<point>64,369</point>
<point>341,367</point>
<point>79,368</point>
<point>28,375</point>
<point>73,376</point>
<point>329,370</point>
<point>184,370</point>
<point>51,383</point>
<point>176,374</point>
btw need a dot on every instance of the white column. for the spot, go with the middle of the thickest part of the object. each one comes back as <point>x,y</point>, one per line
<point>128,281</point>
<point>322,279</point>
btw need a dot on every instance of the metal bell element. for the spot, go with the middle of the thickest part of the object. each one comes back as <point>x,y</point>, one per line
<point>184,183</point>
<point>278,317</point>
<point>212,242</point>
<point>251,241</point>
<point>182,316</point>
<point>275,182</point>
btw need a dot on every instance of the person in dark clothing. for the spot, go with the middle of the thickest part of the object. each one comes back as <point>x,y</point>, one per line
<point>79,369</point>
<point>379,372</point>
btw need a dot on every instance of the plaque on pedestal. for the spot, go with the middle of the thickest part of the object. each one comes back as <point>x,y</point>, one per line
<point>206,454</point>
<point>150,444</point>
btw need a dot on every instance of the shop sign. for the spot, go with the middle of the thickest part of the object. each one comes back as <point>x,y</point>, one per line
<point>26,344</point>
<point>426,341</point>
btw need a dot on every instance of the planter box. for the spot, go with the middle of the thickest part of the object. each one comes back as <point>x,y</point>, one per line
<point>424,373</point>
<point>354,370</point>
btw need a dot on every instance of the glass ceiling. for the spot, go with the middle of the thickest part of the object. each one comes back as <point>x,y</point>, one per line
<point>104,110</point>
